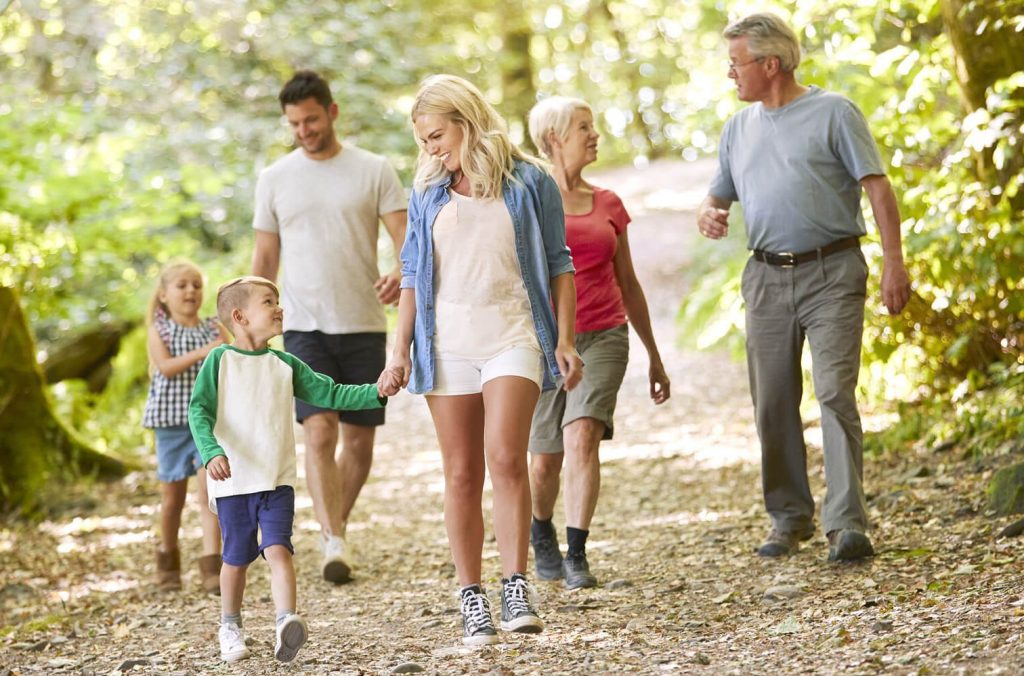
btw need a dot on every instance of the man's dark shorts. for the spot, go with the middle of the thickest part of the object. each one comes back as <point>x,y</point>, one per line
<point>240,516</point>
<point>349,358</point>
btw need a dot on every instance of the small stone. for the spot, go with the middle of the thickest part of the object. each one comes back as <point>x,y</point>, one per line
<point>61,662</point>
<point>128,665</point>
<point>782,592</point>
<point>882,626</point>
<point>57,640</point>
<point>407,668</point>
<point>430,624</point>
<point>701,658</point>
<point>618,584</point>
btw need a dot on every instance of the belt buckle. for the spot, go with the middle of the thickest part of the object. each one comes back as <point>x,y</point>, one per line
<point>785,259</point>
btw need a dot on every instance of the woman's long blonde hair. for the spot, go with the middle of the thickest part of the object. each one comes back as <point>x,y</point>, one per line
<point>487,154</point>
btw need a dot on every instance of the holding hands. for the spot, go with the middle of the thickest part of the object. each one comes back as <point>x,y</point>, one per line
<point>394,377</point>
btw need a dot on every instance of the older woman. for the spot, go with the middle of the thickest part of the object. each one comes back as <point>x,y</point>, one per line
<point>484,258</point>
<point>568,426</point>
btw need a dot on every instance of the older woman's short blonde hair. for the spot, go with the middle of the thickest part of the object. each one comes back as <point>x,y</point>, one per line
<point>553,114</point>
<point>767,35</point>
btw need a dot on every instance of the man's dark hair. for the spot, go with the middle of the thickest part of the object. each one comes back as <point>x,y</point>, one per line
<point>303,85</point>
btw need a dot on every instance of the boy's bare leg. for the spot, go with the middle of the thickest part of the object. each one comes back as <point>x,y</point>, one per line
<point>282,577</point>
<point>232,588</point>
<point>291,628</point>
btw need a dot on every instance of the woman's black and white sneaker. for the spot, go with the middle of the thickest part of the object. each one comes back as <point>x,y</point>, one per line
<point>517,613</point>
<point>477,627</point>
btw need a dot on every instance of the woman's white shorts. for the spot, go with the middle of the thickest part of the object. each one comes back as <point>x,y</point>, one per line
<point>457,375</point>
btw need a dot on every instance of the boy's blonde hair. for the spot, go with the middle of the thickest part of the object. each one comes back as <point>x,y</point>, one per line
<point>488,154</point>
<point>235,293</point>
<point>166,276</point>
<point>553,114</point>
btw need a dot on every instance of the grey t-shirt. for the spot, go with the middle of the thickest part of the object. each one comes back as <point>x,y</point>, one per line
<point>796,171</point>
<point>327,214</point>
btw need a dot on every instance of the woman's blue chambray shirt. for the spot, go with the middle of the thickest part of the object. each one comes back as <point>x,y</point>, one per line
<point>535,206</point>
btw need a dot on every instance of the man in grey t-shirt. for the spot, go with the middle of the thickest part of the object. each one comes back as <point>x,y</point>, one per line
<point>796,159</point>
<point>317,217</point>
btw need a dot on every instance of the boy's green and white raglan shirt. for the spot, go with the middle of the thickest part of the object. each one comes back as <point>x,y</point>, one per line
<point>242,406</point>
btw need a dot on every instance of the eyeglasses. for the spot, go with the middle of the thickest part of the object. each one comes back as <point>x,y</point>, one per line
<point>734,66</point>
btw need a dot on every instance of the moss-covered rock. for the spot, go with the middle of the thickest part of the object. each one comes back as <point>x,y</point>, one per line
<point>1006,490</point>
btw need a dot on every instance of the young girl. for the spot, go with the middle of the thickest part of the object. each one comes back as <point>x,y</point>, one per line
<point>178,341</point>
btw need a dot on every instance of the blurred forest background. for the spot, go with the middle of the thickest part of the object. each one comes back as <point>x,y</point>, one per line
<point>132,131</point>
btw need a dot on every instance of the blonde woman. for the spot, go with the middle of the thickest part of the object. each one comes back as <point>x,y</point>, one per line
<point>484,258</point>
<point>568,427</point>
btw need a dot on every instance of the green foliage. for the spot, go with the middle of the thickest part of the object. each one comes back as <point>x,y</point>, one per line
<point>980,423</point>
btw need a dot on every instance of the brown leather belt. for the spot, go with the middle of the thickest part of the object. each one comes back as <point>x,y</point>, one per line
<point>790,260</point>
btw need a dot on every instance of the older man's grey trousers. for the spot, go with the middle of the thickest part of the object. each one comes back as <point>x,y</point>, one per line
<point>822,301</point>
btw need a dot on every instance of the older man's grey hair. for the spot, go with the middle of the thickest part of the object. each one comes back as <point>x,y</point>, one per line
<point>767,35</point>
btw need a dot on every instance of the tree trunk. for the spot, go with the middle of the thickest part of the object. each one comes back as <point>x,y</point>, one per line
<point>86,355</point>
<point>518,91</point>
<point>36,448</point>
<point>988,47</point>
<point>987,43</point>
<point>633,81</point>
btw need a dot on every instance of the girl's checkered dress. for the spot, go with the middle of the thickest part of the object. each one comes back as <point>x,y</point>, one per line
<point>167,404</point>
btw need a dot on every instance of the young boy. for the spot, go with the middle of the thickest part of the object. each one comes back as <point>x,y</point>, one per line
<point>240,415</point>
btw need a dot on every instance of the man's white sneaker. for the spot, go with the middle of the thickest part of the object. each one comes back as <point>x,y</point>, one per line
<point>335,568</point>
<point>232,643</point>
<point>291,634</point>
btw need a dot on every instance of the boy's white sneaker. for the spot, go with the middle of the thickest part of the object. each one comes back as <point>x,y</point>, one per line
<point>232,643</point>
<point>335,568</point>
<point>291,634</point>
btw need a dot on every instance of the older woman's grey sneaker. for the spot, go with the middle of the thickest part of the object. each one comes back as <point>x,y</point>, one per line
<point>577,573</point>
<point>546,557</point>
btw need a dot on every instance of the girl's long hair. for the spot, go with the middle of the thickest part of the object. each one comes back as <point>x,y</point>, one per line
<point>167,274</point>
<point>488,155</point>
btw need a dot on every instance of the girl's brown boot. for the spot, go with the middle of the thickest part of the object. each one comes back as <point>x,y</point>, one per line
<point>209,573</point>
<point>168,570</point>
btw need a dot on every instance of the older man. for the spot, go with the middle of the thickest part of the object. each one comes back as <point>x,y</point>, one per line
<point>796,160</point>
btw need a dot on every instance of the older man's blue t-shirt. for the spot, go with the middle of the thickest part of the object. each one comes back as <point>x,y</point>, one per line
<point>796,171</point>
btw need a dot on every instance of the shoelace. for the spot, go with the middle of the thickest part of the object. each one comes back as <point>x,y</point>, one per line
<point>233,635</point>
<point>477,611</point>
<point>517,597</point>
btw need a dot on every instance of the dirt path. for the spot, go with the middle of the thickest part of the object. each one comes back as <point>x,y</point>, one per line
<point>672,543</point>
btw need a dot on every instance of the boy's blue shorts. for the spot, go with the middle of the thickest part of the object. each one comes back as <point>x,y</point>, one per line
<point>271,512</point>
<point>177,457</point>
